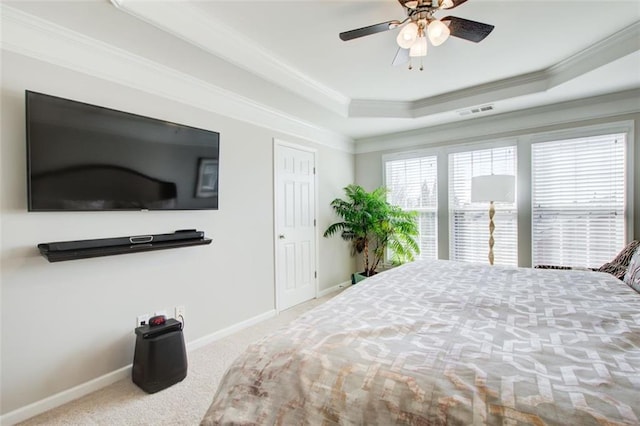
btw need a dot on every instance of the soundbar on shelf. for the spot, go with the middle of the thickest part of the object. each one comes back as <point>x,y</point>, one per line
<point>82,249</point>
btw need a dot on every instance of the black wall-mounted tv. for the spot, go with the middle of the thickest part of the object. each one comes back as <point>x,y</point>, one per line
<point>84,157</point>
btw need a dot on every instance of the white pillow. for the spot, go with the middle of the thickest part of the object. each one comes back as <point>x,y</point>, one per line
<point>632,277</point>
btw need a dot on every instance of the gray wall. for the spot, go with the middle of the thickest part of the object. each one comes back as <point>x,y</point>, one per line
<point>66,323</point>
<point>517,128</point>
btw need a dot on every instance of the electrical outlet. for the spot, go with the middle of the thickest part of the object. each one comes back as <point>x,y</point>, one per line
<point>180,313</point>
<point>142,319</point>
<point>161,312</point>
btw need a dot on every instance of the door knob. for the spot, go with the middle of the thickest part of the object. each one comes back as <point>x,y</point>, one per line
<point>281,236</point>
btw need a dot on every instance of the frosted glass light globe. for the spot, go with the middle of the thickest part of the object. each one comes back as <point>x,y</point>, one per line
<point>438,32</point>
<point>419,48</point>
<point>407,35</point>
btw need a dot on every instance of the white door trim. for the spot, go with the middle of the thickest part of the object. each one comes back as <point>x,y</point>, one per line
<point>278,143</point>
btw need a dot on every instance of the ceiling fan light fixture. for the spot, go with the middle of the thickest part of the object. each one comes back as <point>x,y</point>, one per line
<point>420,25</point>
<point>407,35</point>
<point>419,47</point>
<point>438,32</point>
<point>446,4</point>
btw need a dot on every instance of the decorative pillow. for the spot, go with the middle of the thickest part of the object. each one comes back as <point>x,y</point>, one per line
<point>618,266</point>
<point>616,269</point>
<point>552,267</point>
<point>632,277</point>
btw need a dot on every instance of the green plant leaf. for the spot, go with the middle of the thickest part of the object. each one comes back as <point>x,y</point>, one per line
<point>372,225</point>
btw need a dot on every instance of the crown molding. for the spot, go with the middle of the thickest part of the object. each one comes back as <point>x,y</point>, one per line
<point>37,38</point>
<point>614,47</point>
<point>460,99</point>
<point>511,123</point>
<point>607,50</point>
<point>190,23</point>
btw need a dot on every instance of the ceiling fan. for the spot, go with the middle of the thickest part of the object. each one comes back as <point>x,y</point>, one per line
<point>422,24</point>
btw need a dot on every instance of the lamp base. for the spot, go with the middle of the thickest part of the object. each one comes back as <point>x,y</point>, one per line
<point>492,213</point>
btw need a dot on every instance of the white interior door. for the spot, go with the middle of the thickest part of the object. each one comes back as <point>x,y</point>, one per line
<point>295,226</point>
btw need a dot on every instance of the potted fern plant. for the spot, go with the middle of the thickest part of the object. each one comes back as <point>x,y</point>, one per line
<point>372,225</point>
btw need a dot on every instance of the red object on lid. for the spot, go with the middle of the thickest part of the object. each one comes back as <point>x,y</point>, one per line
<point>157,320</point>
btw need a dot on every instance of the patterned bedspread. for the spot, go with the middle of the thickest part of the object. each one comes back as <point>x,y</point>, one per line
<point>440,342</point>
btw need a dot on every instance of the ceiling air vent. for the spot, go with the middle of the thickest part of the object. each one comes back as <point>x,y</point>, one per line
<point>475,110</point>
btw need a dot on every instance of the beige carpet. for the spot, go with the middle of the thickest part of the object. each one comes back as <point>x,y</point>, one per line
<point>184,403</point>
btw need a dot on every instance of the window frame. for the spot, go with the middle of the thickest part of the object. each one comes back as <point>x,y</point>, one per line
<point>507,212</point>
<point>624,127</point>
<point>523,141</point>
<point>410,155</point>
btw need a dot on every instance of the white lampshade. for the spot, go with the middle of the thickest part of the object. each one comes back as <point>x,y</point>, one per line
<point>407,35</point>
<point>438,32</point>
<point>419,47</point>
<point>500,188</point>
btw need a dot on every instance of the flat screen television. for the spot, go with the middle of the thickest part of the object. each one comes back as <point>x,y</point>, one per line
<point>83,157</point>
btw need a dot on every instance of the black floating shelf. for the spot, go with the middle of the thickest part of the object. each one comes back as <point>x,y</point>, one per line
<point>71,250</point>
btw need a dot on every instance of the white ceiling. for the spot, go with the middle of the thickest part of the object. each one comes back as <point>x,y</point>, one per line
<point>529,36</point>
<point>540,52</point>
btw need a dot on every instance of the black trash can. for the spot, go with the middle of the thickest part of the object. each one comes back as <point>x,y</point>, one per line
<point>160,358</point>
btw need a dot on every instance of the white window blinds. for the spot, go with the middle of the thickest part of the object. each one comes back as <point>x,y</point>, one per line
<point>412,185</point>
<point>469,222</point>
<point>578,200</point>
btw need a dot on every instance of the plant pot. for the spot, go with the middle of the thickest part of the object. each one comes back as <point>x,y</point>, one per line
<point>357,277</point>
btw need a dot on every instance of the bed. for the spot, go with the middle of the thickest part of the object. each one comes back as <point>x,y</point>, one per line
<point>443,342</point>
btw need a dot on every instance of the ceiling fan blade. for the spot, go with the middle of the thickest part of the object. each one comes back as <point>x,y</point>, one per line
<point>401,58</point>
<point>467,29</point>
<point>371,29</point>
<point>456,3</point>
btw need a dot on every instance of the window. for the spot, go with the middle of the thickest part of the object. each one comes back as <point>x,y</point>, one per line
<point>469,222</point>
<point>578,200</point>
<point>412,185</point>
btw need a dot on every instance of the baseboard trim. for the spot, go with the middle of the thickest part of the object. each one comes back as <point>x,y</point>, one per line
<point>333,289</point>
<point>68,395</point>
<point>65,396</point>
